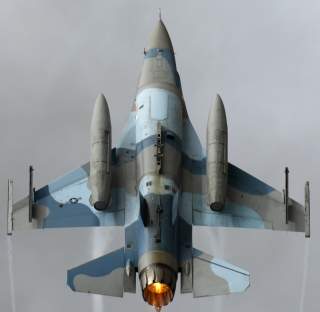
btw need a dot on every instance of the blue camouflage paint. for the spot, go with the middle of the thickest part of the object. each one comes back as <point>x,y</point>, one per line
<point>82,214</point>
<point>140,239</point>
<point>168,230</point>
<point>98,267</point>
<point>165,53</point>
<point>245,182</point>
<point>66,214</point>
<point>233,215</point>
<point>159,105</point>
<point>65,210</point>
<point>71,215</point>
<point>238,279</point>
<point>163,113</point>
<point>69,178</point>
<point>158,109</point>
<point>237,178</point>
<point>195,167</point>
<point>132,239</point>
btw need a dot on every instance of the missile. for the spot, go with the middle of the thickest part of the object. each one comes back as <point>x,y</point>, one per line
<point>217,158</point>
<point>100,155</point>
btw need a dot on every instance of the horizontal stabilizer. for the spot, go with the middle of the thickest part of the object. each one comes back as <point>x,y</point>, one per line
<point>212,277</point>
<point>102,276</point>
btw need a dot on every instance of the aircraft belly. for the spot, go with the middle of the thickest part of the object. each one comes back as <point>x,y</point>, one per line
<point>155,105</point>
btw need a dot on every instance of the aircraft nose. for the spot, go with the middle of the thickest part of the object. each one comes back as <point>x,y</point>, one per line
<point>159,38</point>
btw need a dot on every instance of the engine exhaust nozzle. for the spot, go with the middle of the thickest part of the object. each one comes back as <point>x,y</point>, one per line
<point>158,283</point>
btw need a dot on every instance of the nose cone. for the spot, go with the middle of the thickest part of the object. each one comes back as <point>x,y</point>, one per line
<point>159,66</point>
<point>159,38</point>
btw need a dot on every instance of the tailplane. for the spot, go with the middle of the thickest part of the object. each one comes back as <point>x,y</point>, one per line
<point>212,276</point>
<point>105,275</point>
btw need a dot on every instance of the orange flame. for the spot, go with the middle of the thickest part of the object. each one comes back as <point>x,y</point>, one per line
<point>158,295</point>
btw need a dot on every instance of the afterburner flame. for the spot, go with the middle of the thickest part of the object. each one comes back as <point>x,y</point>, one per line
<point>158,295</point>
<point>158,288</point>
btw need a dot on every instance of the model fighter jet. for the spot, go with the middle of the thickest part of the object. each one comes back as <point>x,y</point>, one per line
<point>157,183</point>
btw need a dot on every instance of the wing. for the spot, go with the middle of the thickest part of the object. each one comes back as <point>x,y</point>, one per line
<point>250,203</point>
<point>65,202</point>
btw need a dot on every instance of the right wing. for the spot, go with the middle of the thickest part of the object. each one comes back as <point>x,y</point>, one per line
<point>250,203</point>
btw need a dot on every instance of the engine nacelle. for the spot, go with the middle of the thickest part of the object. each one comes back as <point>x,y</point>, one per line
<point>217,156</point>
<point>100,155</point>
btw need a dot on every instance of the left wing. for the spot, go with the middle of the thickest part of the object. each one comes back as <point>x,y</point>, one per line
<point>65,202</point>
